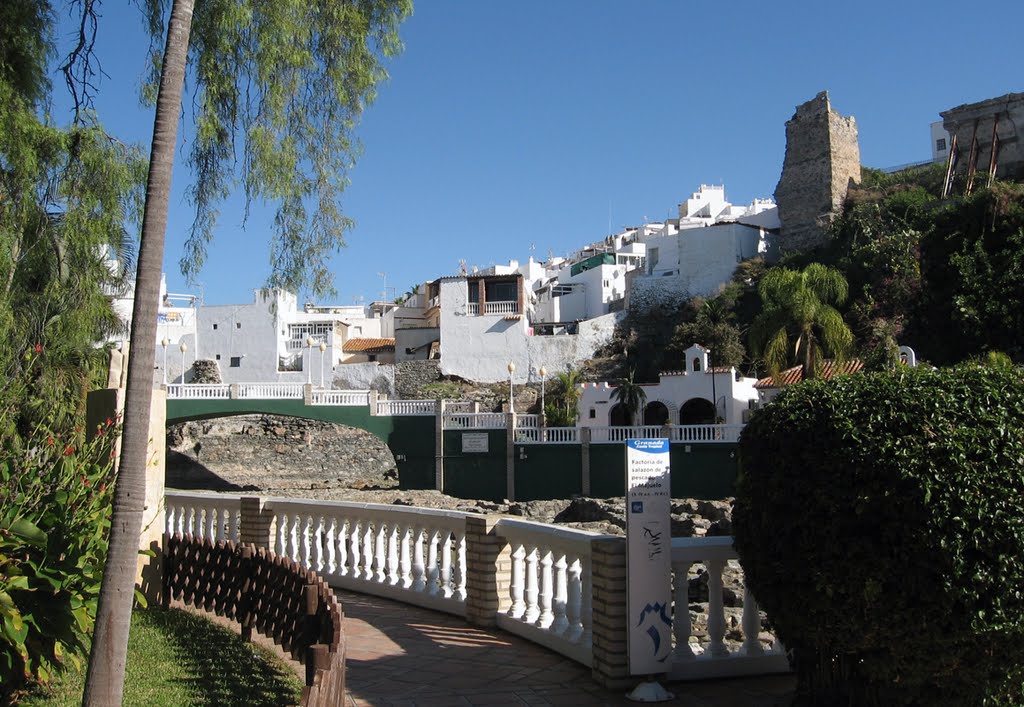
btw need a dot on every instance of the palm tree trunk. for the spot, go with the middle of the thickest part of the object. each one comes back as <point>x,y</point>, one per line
<point>105,680</point>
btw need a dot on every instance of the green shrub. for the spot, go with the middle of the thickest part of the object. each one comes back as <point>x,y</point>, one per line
<point>55,499</point>
<point>880,522</point>
<point>447,390</point>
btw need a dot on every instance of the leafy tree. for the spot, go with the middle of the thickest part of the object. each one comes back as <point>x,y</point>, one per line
<point>292,78</point>
<point>714,328</point>
<point>632,396</point>
<point>798,309</point>
<point>561,408</point>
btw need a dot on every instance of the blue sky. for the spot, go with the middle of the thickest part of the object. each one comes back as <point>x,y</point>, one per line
<point>517,128</point>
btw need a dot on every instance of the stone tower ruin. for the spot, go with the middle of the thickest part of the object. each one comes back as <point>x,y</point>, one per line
<point>822,160</point>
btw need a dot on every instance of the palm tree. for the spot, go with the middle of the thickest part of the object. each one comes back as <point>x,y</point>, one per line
<point>631,396</point>
<point>105,678</point>
<point>799,322</point>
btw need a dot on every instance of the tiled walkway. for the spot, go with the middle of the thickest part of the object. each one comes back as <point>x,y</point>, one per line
<point>402,655</point>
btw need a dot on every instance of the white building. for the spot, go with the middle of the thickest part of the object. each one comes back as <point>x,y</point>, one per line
<point>687,397</point>
<point>940,142</point>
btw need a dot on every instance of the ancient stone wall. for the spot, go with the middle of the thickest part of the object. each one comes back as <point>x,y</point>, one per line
<point>274,453</point>
<point>822,159</point>
<point>975,122</point>
<point>410,376</point>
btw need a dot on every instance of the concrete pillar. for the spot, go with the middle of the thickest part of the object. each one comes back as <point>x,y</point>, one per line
<point>585,459</point>
<point>307,394</point>
<point>510,456</point>
<point>610,665</point>
<point>373,402</point>
<point>488,571</point>
<point>234,391</point>
<point>109,403</point>
<point>439,446</point>
<point>256,523</point>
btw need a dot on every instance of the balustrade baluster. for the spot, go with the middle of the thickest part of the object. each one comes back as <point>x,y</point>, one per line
<point>281,529</point>
<point>356,538</point>
<point>330,538</point>
<point>380,552</point>
<point>406,557</point>
<point>681,613</point>
<point>751,623</point>
<point>518,581</point>
<point>317,531</point>
<point>433,571</point>
<point>546,589</point>
<point>368,551</point>
<point>418,568</point>
<point>341,541</point>
<point>561,622</point>
<point>446,564</point>
<point>574,600</point>
<point>716,610</point>
<point>394,558</point>
<point>532,590</point>
<point>302,538</point>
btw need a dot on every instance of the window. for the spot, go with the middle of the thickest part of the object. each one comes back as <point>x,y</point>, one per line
<point>696,364</point>
<point>236,361</point>
<point>940,145</point>
<point>593,414</point>
<point>474,291</point>
<point>238,325</point>
<point>217,357</point>
<point>214,326</point>
<point>372,357</point>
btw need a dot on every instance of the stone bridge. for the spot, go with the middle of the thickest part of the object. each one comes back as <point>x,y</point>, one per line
<point>454,448</point>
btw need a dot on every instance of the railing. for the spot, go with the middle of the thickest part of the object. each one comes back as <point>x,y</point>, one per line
<point>501,307</point>
<point>270,391</point>
<point>406,407</point>
<point>476,420</point>
<point>198,391</point>
<point>706,433</point>
<point>604,435</point>
<point>562,435</point>
<point>689,662</point>
<point>351,398</point>
<point>472,308</point>
<point>550,590</point>
<point>420,556</point>
<point>527,421</point>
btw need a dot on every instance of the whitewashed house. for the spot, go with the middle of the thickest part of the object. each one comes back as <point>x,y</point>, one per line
<point>695,395</point>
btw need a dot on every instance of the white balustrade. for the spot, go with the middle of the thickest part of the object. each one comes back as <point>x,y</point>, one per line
<point>270,391</point>
<point>341,398</point>
<point>561,435</point>
<point>472,308</point>
<point>198,391</point>
<point>511,307</point>
<point>527,421</point>
<point>414,555</point>
<point>550,592</point>
<point>706,433</point>
<point>715,660</point>
<point>419,556</point>
<point>606,435</point>
<point>210,515</point>
<point>406,407</point>
<point>476,420</point>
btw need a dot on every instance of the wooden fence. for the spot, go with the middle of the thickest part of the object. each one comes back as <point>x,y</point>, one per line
<point>271,594</point>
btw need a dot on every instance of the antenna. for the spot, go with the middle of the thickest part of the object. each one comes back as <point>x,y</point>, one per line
<point>384,292</point>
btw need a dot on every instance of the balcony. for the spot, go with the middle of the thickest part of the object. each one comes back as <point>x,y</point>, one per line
<point>508,307</point>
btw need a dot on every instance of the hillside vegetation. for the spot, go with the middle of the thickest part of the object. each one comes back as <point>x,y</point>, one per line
<point>945,277</point>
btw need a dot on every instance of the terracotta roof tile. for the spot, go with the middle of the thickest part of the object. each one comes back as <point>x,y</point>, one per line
<point>368,345</point>
<point>796,373</point>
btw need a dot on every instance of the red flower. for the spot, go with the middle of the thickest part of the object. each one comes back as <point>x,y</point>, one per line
<point>49,441</point>
<point>109,422</point>
<point>103,487</point>
<point>69,450</point>
<point>39,348</point>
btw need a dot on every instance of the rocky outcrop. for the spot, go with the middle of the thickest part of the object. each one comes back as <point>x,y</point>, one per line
<point>274,454</point>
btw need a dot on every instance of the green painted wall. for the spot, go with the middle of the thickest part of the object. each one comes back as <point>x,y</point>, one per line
<point>476,474</point>
<point>607,470</point>
<point>707,471</point>
<point>548,471</point>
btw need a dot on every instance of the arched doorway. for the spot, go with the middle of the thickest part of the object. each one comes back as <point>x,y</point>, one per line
<point>656,413</point>
<point>697,411</point>
<point>618,416</point>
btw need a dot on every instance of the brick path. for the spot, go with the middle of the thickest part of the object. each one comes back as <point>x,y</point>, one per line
<point>402,655</point>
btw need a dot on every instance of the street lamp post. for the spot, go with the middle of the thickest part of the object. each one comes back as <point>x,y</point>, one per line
<point>164,342</point>
<point>309,360</point>
<point>714,393</point>
<point>511,397</point>
<point>543,375</point>
<point>323,348</point>
<point>183,348</point>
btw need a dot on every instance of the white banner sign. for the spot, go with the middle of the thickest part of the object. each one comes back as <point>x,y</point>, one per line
<point>648,555</point>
